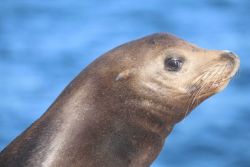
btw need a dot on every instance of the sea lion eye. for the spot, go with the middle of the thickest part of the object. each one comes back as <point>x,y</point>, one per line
<point>173,64</point>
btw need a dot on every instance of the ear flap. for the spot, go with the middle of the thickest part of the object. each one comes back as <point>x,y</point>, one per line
<point>124,74</point>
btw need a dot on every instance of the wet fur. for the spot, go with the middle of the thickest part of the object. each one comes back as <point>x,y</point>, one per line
<point>119,110</point>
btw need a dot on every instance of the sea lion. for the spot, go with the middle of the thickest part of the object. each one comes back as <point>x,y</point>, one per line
<point>119,110</point>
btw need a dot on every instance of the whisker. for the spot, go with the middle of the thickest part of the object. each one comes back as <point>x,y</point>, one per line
<point>221,71</point>
<point>194,96</point>
<point>191,99</point>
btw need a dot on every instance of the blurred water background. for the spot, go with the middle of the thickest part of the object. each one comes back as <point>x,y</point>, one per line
<point>45,44</point>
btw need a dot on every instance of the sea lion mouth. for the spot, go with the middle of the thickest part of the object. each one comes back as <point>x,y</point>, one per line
<point>211,81</point>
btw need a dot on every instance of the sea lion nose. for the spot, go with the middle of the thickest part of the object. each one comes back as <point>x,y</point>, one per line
<point>227,55</point>
<point>228,51</point>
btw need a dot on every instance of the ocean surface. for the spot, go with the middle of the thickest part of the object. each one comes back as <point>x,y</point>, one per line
<point>45,44</point>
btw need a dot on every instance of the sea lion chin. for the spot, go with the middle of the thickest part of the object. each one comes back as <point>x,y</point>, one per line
<point>119,110</point>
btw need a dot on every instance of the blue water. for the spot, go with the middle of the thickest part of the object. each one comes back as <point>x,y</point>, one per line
<point>45,44</point>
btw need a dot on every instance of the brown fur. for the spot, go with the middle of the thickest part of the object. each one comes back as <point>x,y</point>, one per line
<point>119,110</point>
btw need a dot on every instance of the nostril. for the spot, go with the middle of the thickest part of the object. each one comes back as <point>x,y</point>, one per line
<point>228,56</point>
<point>229,53</point>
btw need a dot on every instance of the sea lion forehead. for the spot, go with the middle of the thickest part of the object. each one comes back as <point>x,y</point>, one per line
<point>167,40</point>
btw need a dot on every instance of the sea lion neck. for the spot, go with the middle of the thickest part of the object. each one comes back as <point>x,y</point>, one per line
<point>114,126</point>
<point>75,126</point>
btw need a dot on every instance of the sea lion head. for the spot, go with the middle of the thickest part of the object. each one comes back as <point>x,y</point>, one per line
<point>166,75</point>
